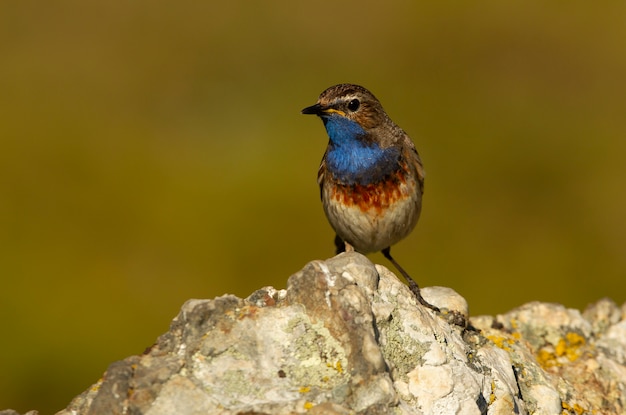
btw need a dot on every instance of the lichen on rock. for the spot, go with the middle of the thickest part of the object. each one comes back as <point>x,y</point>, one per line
<point>347,337</point>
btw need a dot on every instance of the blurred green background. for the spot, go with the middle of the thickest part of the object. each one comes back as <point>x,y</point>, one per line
<point>153,152</point>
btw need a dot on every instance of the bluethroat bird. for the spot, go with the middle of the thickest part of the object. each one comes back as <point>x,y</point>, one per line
<point>371,177</point>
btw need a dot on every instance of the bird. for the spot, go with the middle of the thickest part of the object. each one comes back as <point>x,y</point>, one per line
<point>371,177</point>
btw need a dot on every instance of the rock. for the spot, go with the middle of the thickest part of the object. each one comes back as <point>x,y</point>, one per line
<point>347,337</point>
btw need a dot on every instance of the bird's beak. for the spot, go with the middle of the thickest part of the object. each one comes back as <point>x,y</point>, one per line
<point>316,109</point>
<point>320,110</point>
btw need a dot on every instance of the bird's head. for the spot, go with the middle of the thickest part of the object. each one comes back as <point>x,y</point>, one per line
<point>348,102</point>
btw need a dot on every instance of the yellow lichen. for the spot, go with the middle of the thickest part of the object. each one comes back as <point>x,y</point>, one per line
<point>575,409</point>
<point>308,405</point>
<point>547,359</point>
<point>561,348</point>
<point>492,395</point>
<point>567,348</point>
<point>338,366</point>
<point>304,389</point>
<point>570,346</point>
<point>576,342</point>
<point>502,342</point>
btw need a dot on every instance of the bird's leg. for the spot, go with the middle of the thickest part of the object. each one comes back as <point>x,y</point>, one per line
<point>415,289</point>
<point>342,246</point>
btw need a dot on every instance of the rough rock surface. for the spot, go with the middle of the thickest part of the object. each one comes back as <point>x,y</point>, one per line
<point>347,337</point>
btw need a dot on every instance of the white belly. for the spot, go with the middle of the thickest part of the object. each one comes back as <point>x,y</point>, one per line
<point>373,218</point>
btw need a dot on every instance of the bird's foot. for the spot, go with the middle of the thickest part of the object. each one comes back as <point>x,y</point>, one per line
<point>415,289</point>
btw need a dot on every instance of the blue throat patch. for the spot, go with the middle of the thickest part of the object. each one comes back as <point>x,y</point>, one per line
<point>350,159</point>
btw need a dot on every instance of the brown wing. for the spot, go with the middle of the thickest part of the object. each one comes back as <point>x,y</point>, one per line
<point>321,172</point>
<point>413,158</point>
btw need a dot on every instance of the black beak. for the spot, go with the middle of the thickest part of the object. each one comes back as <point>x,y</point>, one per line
<point>313,109</point>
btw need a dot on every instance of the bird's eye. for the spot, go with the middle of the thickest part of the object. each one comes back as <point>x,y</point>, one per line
<point>354,105</point>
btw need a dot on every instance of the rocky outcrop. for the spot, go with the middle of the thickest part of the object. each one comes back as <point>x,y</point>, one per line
<point>347,337</point>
